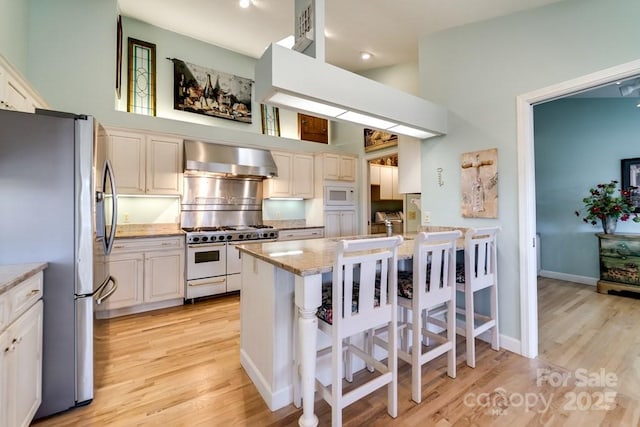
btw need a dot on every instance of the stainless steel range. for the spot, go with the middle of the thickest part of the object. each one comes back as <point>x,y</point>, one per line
<point>221,207</point>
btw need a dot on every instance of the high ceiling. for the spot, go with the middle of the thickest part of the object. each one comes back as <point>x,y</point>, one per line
<point>388,29</point>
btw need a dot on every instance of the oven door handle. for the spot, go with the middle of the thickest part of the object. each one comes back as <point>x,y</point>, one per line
<point>207,281</point>
<point>206,245</point>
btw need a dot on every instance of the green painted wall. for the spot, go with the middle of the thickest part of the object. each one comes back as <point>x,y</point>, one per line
<point>578,144</point>
<point>477,70</point>
<point>14,18</point>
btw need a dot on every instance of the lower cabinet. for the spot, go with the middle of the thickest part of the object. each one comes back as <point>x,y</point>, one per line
<point>149,274</point>
<point>339,223</point>
<point>21,355</point>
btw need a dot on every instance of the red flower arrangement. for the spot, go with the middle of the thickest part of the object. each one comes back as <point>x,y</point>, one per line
<point>601,204</point>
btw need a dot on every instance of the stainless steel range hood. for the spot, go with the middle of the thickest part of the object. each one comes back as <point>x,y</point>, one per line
<point>202,156</point>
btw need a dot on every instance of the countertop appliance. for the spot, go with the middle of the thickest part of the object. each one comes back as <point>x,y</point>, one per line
<point>221,207</point>
<point>396,219</point>
<point>47,185</point>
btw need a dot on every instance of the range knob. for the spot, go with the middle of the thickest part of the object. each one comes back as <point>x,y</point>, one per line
<point>196,239</point>
<point>205,238</point>
<point>221,238</point>
<point>229,237</point>
<point>240,236</point>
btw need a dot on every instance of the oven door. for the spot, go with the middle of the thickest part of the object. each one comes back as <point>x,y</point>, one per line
<point>206,260</point>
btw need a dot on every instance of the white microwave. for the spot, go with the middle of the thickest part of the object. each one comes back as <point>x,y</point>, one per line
<point>339,195</point>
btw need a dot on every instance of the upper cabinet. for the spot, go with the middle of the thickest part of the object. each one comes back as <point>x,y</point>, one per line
<point>15,92</point>
<point>337,167</point>
<point>145,163</point>
<point>389,183</point>
<point>374,174</point>
<point>295,176</point>
<point>313,129</point>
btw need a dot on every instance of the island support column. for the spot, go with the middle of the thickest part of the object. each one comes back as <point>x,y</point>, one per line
<point>308,297</point>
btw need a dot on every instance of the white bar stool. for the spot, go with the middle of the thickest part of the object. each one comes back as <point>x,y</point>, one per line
<point>364,296</point>
<point>480,272</point>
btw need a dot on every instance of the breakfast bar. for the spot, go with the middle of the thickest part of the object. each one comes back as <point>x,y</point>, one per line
<point>277,279</point>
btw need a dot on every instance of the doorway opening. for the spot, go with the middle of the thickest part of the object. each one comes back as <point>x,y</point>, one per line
<point>526,188</point>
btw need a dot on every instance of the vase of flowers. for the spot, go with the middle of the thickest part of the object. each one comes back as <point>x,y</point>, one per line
<point>606,205</point>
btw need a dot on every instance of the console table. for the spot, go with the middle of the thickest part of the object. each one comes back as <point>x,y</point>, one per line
<point>619,263</point>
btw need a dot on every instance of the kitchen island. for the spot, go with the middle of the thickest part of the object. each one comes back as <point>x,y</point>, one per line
<point>279,278</point>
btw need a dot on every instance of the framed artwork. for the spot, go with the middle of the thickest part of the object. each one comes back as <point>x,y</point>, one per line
<point>119,57</point>
<point>377,139</point>
<point>631,178</point>
<point>212,93</point>
<point>141,78</point>
<point>479,180</point>
<point>270,120</point>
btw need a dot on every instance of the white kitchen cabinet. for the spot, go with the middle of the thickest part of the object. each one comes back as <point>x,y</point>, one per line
<point>15,92</point>
<point>374,174</point>
<point>128,271</point>
<point>389,183</point>
<point>337,167</point>
<point>301,234</point>
<point>164,165</point>
<point>21,353</point>
<point>145,163</point>
<point>163,275</point>
<point>149,273</point>
<point>295,176</point>
<point>22,348</point>
<point>340,223</point>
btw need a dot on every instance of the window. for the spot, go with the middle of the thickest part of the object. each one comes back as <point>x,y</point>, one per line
<point>141,78</point>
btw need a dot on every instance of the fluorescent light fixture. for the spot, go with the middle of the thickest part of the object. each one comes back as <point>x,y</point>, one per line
<point>285,198</point>
<point>298,103</point>
<point>293,80</point>
<point>244,3</point>
<point>287,42</point>
<point>416,133</point>
<point>365,120</point>
<point>277,254</point>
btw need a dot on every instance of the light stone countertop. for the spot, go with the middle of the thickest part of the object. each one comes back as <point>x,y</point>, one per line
<point>316,256</point>
<point>12,274</point>
<point>131,231</point>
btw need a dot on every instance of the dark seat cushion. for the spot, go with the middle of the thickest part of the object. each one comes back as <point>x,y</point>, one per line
<point>405,284</point>
<point>325,311</point>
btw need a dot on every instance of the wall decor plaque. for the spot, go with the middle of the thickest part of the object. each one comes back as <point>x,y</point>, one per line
<point>479,182</point>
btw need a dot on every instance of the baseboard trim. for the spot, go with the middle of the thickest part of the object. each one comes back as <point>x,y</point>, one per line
<point>585,280</point>
<point>274,400</point>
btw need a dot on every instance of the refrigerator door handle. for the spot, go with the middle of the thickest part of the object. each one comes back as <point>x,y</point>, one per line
<point>108,169</point>
<point>101,294</point>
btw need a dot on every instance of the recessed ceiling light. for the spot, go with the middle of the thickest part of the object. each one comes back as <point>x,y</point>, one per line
<point>244,3</point>
<point>365,55</point>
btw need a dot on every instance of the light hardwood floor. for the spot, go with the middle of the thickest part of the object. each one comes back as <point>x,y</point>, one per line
<point>180,367</point>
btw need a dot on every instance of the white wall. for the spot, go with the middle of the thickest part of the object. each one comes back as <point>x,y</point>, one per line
<point>476,71</point>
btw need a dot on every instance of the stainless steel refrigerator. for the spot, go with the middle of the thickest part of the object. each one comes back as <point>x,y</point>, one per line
<point>51,184</point>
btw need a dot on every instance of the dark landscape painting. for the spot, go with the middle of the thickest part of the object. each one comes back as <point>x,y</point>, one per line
<point>211,93</point>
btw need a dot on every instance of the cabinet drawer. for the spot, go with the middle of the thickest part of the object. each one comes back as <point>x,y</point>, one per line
<point>151,244</point>
<point>301,234</point>
<point>25,295</point>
